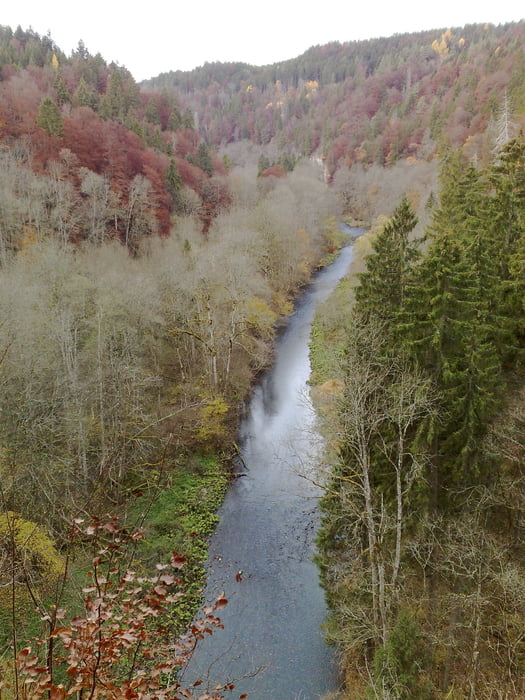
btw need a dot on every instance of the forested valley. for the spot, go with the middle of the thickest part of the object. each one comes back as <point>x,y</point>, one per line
<point>152,240</point>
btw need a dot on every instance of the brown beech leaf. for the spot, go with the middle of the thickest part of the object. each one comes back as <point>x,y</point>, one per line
<point>221,602</point>
<point>177,561</point>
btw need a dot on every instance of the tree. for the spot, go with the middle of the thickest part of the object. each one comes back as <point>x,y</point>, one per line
<point>175,119</point>
<point>507,225</point>
<point>121,95</point>
<point>383,404</point>
<point>173,181</point>
<point>49,117</point>
<point>30,568</point>
<point>62,92</point>
<point>203,159</point>
<point>381,291</point>
<point>263,164</point>
<point>188,121</point>
<point>444,332</point>
<point>139,218</point>
<point>99,205</point>
<point>400,664</point>
<point>84,95</point>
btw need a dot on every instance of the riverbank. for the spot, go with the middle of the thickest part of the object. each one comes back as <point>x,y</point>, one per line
<point>261,553</point>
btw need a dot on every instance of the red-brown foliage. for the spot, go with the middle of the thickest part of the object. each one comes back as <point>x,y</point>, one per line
<point>276,170</point>
<point>120,647</point>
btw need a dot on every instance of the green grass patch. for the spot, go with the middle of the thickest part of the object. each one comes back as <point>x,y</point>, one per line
<point>181,517</point>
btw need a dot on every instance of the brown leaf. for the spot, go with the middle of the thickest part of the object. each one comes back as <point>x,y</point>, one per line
<point>221,602</point>
<point>177,561</point>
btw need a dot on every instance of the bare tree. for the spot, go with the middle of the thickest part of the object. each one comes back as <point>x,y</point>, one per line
<point>384,400</point>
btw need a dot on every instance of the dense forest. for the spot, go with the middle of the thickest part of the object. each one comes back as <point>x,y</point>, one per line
<point>421,547</point>
<point>152,239</point>
<point>365,102</point>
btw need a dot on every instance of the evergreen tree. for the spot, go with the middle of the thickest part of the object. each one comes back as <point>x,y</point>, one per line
<point>187,119</point>
<point>175,119</point>
<point>173,180</point>
<point>399,664</point>
<point>62,92</point>
<point>203,159</point>
<point>264,163</point>
<point>380,294</point>
<point>507,229</point>
<point>84,95</point>
<point>49,117</point>
<point>449,337</point>
<point>121,95</point>
<point>152,112</point>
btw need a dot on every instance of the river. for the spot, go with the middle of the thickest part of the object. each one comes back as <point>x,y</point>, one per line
<point>272,645</point>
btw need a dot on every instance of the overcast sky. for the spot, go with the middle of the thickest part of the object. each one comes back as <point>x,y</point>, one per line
<point>150,37</point>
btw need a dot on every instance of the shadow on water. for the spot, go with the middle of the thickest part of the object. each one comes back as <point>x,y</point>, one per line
<point>272,646</point>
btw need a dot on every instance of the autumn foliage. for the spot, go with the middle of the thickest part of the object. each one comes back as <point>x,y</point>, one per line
<point>97,115</point>
<point>370,102</point>
<point>120,645</point>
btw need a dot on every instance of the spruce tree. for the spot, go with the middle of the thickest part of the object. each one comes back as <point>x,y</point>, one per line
<point>62,92</point>
<point>174,182</point>
<point>49,117</point>
<point>447,333</point>
<point>507,232</point>
<point>380,294</point>
<point>203,159</point>
<point>84,95</point>
<point>175,119</point>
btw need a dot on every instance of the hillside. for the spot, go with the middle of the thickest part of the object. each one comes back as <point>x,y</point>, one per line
<point>133,157</point>
<point>366,102</point>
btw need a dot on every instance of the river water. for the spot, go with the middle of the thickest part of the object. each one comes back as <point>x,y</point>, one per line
<point>272,645</point>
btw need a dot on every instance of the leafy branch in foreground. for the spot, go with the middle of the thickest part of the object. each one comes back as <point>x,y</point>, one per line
<point>119,646</point>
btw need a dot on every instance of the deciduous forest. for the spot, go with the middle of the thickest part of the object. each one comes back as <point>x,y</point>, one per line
<point>153,238</point>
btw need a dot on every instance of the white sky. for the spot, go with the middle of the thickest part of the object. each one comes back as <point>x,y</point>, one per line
<point>152,36</point>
